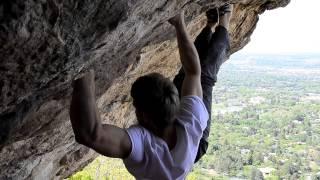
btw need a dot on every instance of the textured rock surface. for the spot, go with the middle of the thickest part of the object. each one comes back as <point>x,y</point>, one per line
<point>44,44</point>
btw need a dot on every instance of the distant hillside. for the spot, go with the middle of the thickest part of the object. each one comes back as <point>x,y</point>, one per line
<point>299,61</point>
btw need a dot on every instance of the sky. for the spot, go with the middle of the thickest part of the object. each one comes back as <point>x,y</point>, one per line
<point>293,29</point>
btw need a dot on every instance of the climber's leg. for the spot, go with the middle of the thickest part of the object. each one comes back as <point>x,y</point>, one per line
<point>217,53</point>
<point>202,41</point>
<point>219,46</point>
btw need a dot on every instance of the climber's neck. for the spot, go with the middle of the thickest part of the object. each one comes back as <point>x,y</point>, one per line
<point>170,136</point>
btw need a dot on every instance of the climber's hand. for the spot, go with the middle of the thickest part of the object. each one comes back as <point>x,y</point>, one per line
<point>85,83</point>
<point>177,19</point>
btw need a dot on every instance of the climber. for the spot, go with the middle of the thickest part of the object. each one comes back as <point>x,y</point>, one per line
<point>213,49</point>
<point>164,143</point>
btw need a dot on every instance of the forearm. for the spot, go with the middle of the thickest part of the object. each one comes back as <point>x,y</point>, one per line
<point>83,112</point>
<point>188,53</point>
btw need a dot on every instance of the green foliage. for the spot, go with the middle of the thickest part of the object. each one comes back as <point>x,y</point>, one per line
<point>103,168</point>
<point>271,133</point>
<point>81,175</point>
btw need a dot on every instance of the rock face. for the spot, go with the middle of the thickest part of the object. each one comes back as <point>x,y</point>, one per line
<point>44,44</point>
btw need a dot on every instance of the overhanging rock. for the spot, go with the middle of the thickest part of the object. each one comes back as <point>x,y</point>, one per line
<point>44,44</point>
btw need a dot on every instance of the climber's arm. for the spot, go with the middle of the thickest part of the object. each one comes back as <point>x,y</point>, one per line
<point>189,58</point>
<point>106,139</point>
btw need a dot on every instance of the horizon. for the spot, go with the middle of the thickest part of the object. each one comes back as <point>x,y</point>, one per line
<point>241,52</point>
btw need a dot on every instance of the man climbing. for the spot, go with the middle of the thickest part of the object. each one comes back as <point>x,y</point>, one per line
<point>213,49</point>
<point>165,142</point>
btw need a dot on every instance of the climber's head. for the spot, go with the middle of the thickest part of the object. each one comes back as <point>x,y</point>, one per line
<point>156,100</point>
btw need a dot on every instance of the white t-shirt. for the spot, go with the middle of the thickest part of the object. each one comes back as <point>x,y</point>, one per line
<point>150,156</point>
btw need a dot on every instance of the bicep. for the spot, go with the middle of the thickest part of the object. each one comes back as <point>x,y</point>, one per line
<point>112,141</point>
<point>191,86</point>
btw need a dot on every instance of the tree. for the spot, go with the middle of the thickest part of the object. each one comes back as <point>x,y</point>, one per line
<point>256,174</point>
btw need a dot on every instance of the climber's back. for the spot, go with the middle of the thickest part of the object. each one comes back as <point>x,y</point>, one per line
<point>151,157</point>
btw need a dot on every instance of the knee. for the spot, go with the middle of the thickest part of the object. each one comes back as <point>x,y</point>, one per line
<point>208,80</point>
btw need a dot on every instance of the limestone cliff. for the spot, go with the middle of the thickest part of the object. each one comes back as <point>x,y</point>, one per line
<point>44,44</point>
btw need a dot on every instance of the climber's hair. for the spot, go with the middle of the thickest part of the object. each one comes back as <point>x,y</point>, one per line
<point>158,97</point>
